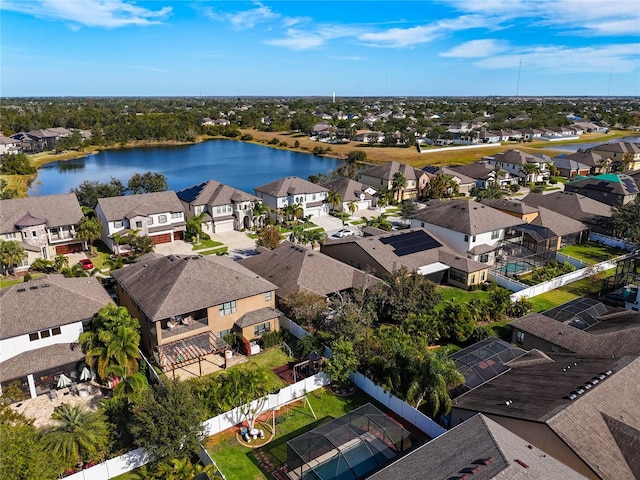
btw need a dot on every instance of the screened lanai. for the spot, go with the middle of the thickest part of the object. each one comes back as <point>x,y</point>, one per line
<point>348,447</point>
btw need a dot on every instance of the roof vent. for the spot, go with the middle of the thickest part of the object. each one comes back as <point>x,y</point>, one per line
<point>22,289</point>
<point>45,285</point>
<point>521,463</point>
<point>33,287</point>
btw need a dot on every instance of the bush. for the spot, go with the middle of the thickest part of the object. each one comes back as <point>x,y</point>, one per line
<point>514,187</point>
<point>283,144</point>
<point>296,144</point>
<point>246,137</point>
<point>270,339</point>
<point>553,181</point>
<point>273,141</point>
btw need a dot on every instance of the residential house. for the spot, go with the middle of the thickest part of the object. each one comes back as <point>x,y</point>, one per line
<point>514,161</point>
<point>614,333</point>
<point>478,448</point>
<point>9,146</point>
<point>570,168</point>
<point>363,196</point>
<point>483,175</point>
<point>225,208</point>
<point>596,162</point>
<point>592,213</point>
<point>44,226</point>
<point>591,127</point>
<point>41,322</point>
<point>489,137</point>
<point>464,182</point>
<point>368,136</point>
<point>610,188</point>
<point>414,249</point>
<point>188,304</point>
<point>36,141</point>
<point>287,191</point>
<point>293,269</point>
<point>472,229</point>
<point>531,134</point>
<point>624,154</point>
<point>581,410</point>
<point>381,178</point>
<point>159,215</point>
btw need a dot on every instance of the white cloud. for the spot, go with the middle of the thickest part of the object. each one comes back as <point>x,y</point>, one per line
<point>477,49</point>
<point>297,39</point>
<point>91,13</point>
<point>400,37</point>
<point>349,58</point>
<point>561,59</point>
<point>247,19</point>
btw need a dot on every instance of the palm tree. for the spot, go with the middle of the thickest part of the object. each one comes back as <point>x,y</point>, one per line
<point>89,229</point>
<point>398,183</point>
<point>122,347</point>
<point>181,469</point>
<point>117,241</point>
<point>380,222</point>
<point>129,387</point>
<point>60,262</point>
<point>316,237</point>
<point>80,435</point>
<point>530,170</point>
<point>75,271</point>
<point>433,378</point>
<point>11,254</point>
<point>334,199</point>
<point>353,207</point>
<point>258,210</point>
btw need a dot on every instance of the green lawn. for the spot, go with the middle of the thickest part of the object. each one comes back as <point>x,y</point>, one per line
<point>206,244</point>
<point>216,251</point>
<point>7,282</point>
<point>581,288</point>
<point>591,252</point>
<point>270,359</point>
<point>237,462</point>
<point>460,295</point>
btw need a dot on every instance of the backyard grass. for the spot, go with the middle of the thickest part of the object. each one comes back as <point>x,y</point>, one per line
<point>206,244</point>
<point>592,252</point>
<point>581,288</point>
<point>8,281</point>
<point>459,295</point>
<point>237,462</point>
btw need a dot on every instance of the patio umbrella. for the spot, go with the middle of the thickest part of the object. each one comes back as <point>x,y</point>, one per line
<point>85,374</point>
<point>63,381</point>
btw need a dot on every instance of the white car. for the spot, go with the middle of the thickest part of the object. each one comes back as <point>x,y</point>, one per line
<point>345,232</point>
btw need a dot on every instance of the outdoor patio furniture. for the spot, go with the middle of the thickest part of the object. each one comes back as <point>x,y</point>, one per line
<point>53,394</point>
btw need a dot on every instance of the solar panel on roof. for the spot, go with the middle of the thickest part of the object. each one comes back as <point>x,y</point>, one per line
<point>631,185</point>
<point>412,242</point>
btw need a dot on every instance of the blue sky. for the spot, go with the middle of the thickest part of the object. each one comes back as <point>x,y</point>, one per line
<point>299,48</point>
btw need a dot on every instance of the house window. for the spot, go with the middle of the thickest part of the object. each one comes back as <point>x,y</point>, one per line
<point>482,276</point>
<point>33,337</point>
<point>176,215</point>
<point>162,219</point>
<point>473,279</point>
<point>139,224</point>
<point>466,238</point>
<point>554,349</point>
<point>10,236</point>
<point>267,297</point>
<point>150,221</point>
<point>56,331</point>
<point>34,233</point>
<point>484,258</point>
<point>474,238</point>
<point>261,329</point>
<point>520,337</point>
<point>223,333</point>
<point>227,308</point>
<point>314,196</point>
<point>422,224</point>
<point>495,234</point>
<point>45,334</point>
<point>457,276</point>
<point>117,224</point>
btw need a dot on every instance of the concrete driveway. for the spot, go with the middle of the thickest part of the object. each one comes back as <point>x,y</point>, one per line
<point>238,243</point>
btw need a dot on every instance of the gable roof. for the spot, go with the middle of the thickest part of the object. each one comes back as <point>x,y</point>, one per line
<point>349,190</point>
<point>57,210</point>
<point>284,187</point>
<point>567,163</point>
<point>476,170</point>
<point>480,449</point>
<point>572,205</point>
<point>539,392</point>
<point>167,286</point>
<point>50,301</point>
<point>558,223</point>
<point>294,269</point>
<point>589,158</point>
<point>389,169</point>
<point>465,216</point>
<point>509,205</point>
<point>615,183</point>
<point>516,157</point>
<point>144,204</point>
<point>618,147</point>
<point>214,193</point>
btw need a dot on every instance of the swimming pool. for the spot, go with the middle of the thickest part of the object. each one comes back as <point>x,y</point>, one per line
<point>351,464</point>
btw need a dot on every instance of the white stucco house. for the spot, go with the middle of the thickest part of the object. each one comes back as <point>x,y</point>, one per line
<point>514,161</point>
<point>294,191</point>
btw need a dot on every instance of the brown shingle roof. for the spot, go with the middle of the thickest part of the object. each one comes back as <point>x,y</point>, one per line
<point>289,186</point>
<point>58,210</point>
<point>349,190</point>
<point>38,360</point>
<point>294,268</point>
<point>556,222</point>
<point>509,205</point>
<point>128,206</point>
<point>257,316</point>
<point>572,205</point>
<point>49,302</point>
<point>464,216</point>
<point>172,285</point>
<point>389,169</point>
<point>214,193</point>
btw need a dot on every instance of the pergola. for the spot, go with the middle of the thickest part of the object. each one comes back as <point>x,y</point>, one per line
<point>188,351</point>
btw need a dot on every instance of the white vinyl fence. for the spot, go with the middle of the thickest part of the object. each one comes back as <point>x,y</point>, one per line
<point>295,329</point>
<point>393,403</point>
<point>611,242</point>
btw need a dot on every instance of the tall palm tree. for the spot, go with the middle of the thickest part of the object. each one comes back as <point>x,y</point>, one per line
<point>398,184</point>
<point>122,347</point>
<point>89,229</point>
<point>11,254</point>
<point>181,469</point>
<point>258,211</point>
<point>353,207</point>
<point>530,171</point>
<point>334,199</point>
<point>130,386</point>
<point>433,378</point>
<point>79,436</point>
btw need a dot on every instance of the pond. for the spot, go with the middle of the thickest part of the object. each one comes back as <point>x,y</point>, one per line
<point>241,165</point>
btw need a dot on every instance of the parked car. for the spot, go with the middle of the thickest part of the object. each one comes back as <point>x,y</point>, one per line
<point>86,264</point>
<point>345,232</point>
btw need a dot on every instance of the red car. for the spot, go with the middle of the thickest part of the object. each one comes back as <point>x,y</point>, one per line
<point>86,264</point>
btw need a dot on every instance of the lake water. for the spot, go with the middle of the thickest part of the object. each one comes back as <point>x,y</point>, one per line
<point>241,165</point>
<point>574,147</point>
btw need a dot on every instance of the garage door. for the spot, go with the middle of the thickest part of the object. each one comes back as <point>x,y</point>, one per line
<point>163,238</point>
<point>66,249</point>
<point>178,235</point>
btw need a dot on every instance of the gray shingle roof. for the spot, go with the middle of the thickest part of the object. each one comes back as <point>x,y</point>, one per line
<point>294,268</point>
<point>214,193</point>
<point>41,359</point>
<point>538,392</point>
<point>47,302</point>
<point>58,210</point>
<point>516,157</point>
<point>172,285</point>
<point>289,186</point>
<point>558,223</point>
<point>349,190</point>
<point>475,171</point>
<point>464,448</point>
<point>572,205</point>
<point>618,147</point>
<point>257,316</point>
<point>389,169</point>
<point>590,159</point>
<point>509,205</point>
<point>128,206</point>
<point>466,216</point>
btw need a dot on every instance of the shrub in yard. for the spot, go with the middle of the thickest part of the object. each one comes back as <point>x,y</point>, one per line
<point>270,339</point>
